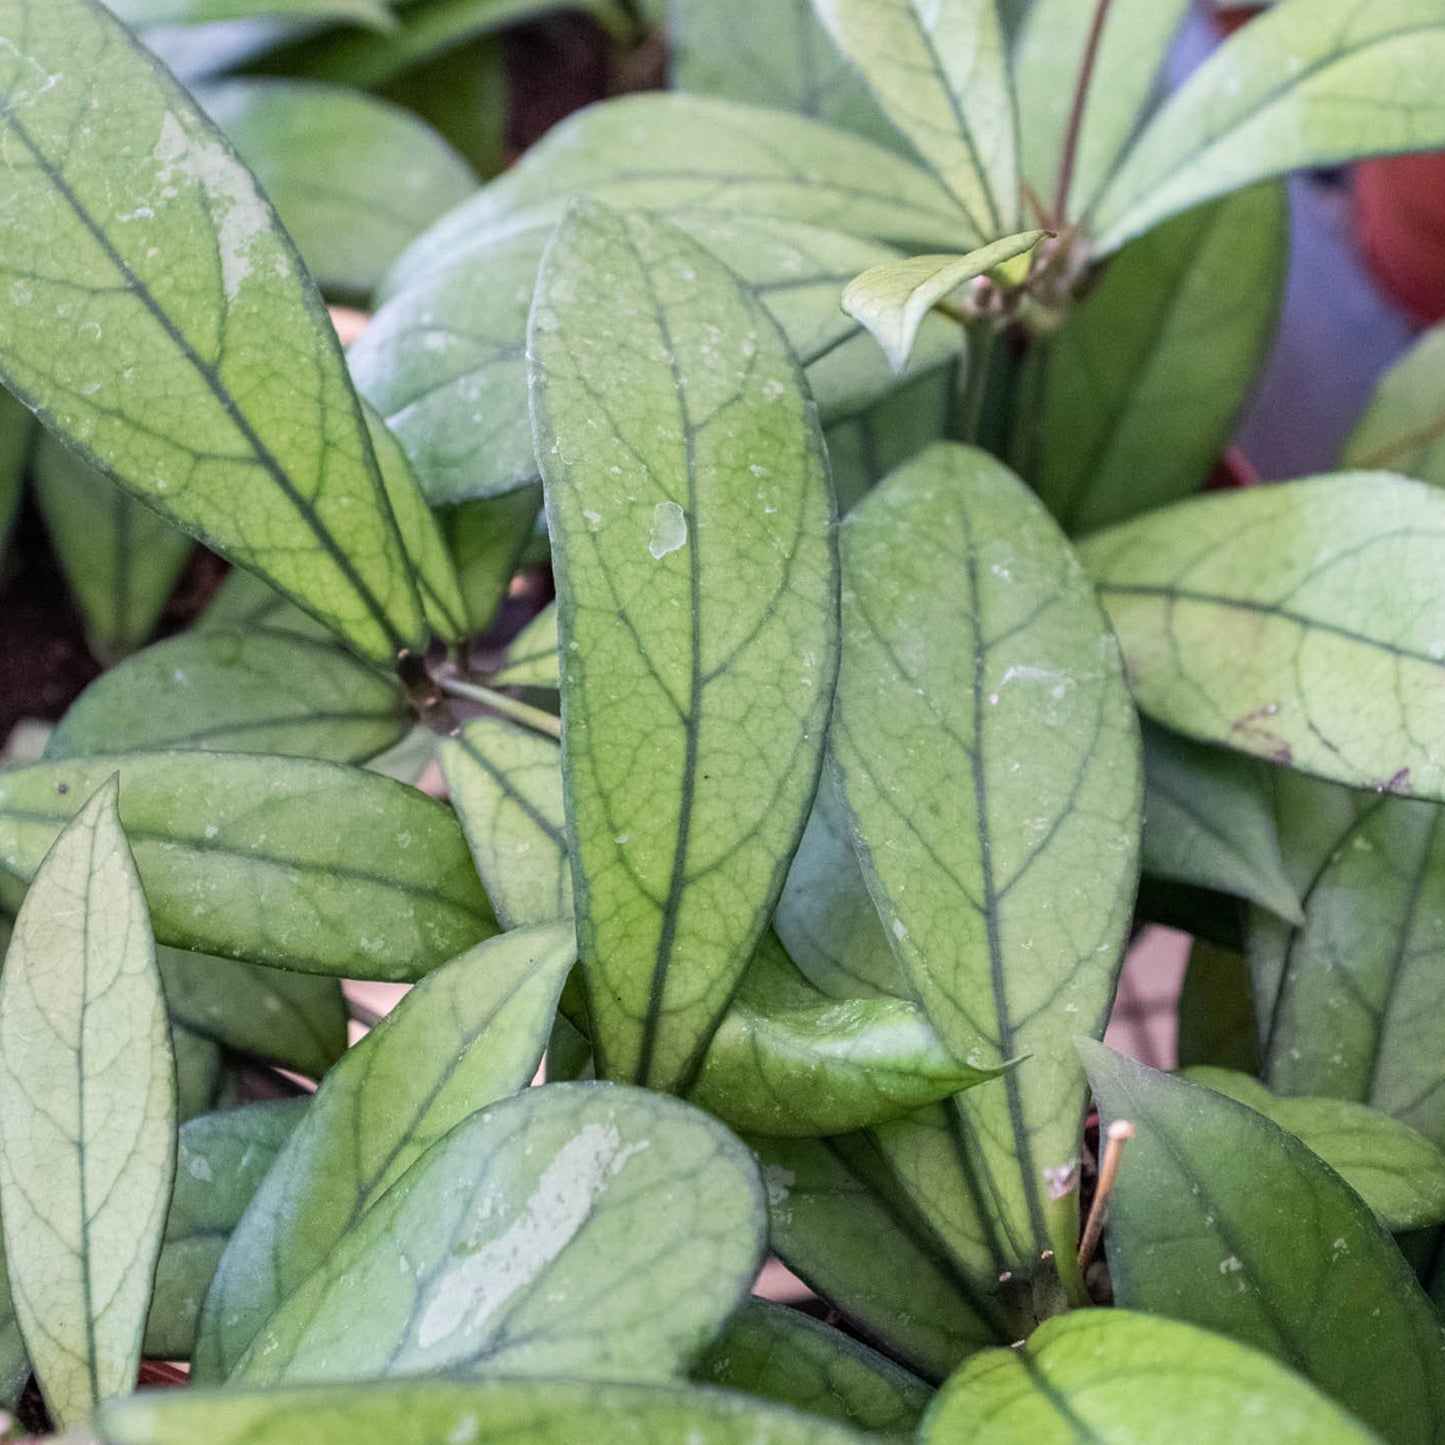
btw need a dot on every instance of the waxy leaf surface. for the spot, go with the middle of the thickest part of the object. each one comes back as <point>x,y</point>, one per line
<point>588,1229</point>
<point>140,261</point>
<point>1299,1269</point>
<point>1302,623</point>
<point>692,531</point>
<point>282,861</point>
<point>87,1114</point>
<point>988,759</point>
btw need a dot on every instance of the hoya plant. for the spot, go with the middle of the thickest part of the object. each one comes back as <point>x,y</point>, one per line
<point>853,394</point>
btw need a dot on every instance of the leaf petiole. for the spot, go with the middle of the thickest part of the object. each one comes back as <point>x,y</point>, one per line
<point>500,702</point>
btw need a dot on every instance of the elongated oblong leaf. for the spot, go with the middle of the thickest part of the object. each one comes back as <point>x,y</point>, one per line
<point>87,1113</point>
<point>939,69</point>
<point>138,13</point>
<point>1299,1269</point>
<point>237,692</point>
<point>692,526</point>
<point>1302,623</point>
<point>468,1034</point>
<point>602,1231</point>
<point>158,319</point>
<point>1112,1377</point>
<point>989,763</point>
<point>1301,86</point>
<point>299,864</point>
<point>1403,427</point>
<point>497,1412</point>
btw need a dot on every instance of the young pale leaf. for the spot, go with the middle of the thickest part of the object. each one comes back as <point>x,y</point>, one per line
<point>1216,1011</point>
<point>354,178</point>
<point>586,1230</point>
<point>1367,959</point>
<point>141,261</point>
<point>1403,427</point>
<point>891,299</point>
<point>221,1160</point>
<point>120,559</point>
<point>1302,623</point>
<point>1399,1173</point>
<point>532,659</point>
<point>1299,87</point>
<point>1111,1377</point>
<point>487,540</point>
<point>1299,1269</point>
<point>939,69</point>
<point>87,1114</point>
<point>237,692</point>
<point>297,1020</point>
<point>1208,821</point>
<point>1141,387</point>
<point>138,13</point>
<point>470,1033</point>
<point>989,761</point>
<point>1048,63</point>
<point>684,152</point>
<point>785,1355</point>
<point>496,1412</point>
<point>692,529</point>
<point>282,861</point>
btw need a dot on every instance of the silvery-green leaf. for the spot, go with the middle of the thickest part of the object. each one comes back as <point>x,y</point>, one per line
<point>468,1034</point>
<point>1403,428</point>
<point>157,317</point>
<point>87,1113</point>
<point>1301,86</point>
<point>591,1231</point>
<point>864,448</point>
<point>532,654</point>
<point>892,298</point>
<point>692,526</point>
<point>488,540</point>
<point>138,13</point>
<point>244,603</point>
<point>989,763</point>
<point>939,69</point>
<point>282,861</point>
<point>1301,622</point>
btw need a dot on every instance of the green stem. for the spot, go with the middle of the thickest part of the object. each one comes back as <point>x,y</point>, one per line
<point>500,702</point>
<point>968,402</point>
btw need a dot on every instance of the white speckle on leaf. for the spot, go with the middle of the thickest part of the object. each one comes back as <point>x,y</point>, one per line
<point>1232,1265</point>
<point>464,1431</point>
<point>669,529</point>
<point>778,1182</point>
<point>198,1168</point>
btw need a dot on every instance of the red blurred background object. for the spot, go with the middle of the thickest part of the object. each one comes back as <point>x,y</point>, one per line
<point>1400,221</point>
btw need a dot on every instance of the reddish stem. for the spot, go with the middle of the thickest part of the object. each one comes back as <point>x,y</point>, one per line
<point>1076,112</point>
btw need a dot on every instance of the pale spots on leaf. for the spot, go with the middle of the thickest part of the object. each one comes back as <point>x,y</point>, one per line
<point>669,529</point>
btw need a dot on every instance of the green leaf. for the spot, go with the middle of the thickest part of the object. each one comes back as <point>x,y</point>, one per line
<point>701,514</point>
<point>772,52</point>
<point>604,1232</point>
<point>1209,822</point>
<point>14,1361</point>
<point>892,299</point>
<point>784,1355</point>
<point>689,152</point>
<point>495,1412</point>
<point>939,69</point>
<point>1142,386</point>
<point>120,559</point>
<point>1297,88</point>
<point>1399,1173</point>
<point>298,864</point>
<point>199,1068</point>
<point>1299,1269</point>
<point>1403,428</point>
<point>468,1034</point>
<point>531,659</point>
<point>221,1160</point>
<point>864,448</point>
<point>1002,856</point>
<point>1048,59</point>
<point>1354,1010</point>
<point>296,1020</point>
<point>487,540</point>
<point>237,692</point>
<point>1298,622</point>
<point>139,13</point>
<point>445,359</point>
<point>353,178</point>
<point>1111,1377</point>
<point>16,433</point>
<point>1216,1011</point>
<point>156,316</point>
<point>87,1113</point>
<point>244,603</point>
<point>506,785</point>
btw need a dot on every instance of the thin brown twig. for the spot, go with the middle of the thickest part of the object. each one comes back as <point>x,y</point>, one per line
<point>1120,1132</point>
<point>1076,113</point>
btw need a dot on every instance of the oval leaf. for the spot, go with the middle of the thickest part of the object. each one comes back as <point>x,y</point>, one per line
<point>1403,428</point>
<point>697,586</point>
<point>1301,622</point>
<point>1001,854</point>
<point>604,1232</point>
<point>179,283</point>
<point>297,864</point>
<point>468,1034</point>
<point>87,1113</point>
